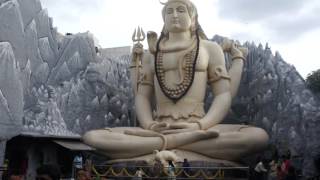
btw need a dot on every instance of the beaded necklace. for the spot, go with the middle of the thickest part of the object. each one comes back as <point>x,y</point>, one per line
<point>176,93</point>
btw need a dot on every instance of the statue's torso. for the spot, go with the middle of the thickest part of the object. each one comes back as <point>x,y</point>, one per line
<point>190,106</point>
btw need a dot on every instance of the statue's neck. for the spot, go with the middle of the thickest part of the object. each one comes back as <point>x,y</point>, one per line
<point>177,41</point>
<point>179,37</point>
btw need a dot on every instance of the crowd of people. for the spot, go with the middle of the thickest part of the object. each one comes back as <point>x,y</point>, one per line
<point>275,169</point>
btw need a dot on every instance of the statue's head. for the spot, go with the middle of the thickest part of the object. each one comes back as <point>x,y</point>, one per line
<point>179,16</point>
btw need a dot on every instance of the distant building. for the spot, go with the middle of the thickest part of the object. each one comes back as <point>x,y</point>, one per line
<point>28,151</point>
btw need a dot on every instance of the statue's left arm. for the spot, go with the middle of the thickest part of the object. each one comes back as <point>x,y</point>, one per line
<point>219,81</point>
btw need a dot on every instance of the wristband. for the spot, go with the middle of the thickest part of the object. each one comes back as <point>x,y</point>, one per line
<point>238,57</point>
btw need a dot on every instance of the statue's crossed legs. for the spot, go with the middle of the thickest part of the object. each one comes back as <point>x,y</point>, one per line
<point>228,142</point>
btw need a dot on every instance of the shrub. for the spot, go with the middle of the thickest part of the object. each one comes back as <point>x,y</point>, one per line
<point>313,80</point>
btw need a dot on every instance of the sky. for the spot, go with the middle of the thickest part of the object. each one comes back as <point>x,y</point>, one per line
<point>291,27</point>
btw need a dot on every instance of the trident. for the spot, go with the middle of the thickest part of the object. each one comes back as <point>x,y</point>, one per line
<point>137,37</point>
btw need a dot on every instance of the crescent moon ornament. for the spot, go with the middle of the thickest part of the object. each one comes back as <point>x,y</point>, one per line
<point>162,2</point>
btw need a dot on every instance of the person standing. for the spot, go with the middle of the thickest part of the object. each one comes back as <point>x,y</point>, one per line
<point>186,167</point>
<point>78,161</point>
<point>286,164</point>
<point>157,169</point>
<point>139,174</point>
<point>273,169</point>
<point>171,171</point>
<point>77,164</point>
<point>260,170</point>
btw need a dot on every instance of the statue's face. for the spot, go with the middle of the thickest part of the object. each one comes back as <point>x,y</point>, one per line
<point>177,18</point>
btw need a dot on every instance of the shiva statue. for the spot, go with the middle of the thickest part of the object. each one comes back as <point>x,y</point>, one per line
<point>170,92</point>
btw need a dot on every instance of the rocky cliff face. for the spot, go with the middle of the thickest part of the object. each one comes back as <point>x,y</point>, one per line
<point>54,84</point>
<point>273,95</point>
<point>11,93</point>
<point>58,85</point>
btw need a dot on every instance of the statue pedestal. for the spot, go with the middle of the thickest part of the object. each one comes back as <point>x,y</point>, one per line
<point>190,156</point>
<point>200,167</point>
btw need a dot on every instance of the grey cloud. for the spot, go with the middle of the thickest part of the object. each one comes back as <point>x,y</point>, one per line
<point>253,10</point>
<point>284,19</point>
<point>292,27</point>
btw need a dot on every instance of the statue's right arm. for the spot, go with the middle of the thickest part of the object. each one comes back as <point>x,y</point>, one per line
<point>145,93</point>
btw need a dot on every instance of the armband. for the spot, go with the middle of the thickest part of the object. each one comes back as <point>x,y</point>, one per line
<point>218,73</point>
<point>238,57</point>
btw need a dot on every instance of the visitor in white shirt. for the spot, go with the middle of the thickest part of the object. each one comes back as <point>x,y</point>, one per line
<point>260,170</point>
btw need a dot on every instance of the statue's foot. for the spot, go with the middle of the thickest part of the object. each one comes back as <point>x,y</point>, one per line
<point>165,156</point>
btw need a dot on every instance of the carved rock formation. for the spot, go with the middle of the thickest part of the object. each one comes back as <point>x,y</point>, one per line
<point>11,93</point>
<point>274,96</point>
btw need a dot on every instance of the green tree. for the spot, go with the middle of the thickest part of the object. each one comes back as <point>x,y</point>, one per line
<point>313,80</point>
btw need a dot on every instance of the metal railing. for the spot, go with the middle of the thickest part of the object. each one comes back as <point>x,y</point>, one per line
<point>153,172</point>
<point>3,168</point>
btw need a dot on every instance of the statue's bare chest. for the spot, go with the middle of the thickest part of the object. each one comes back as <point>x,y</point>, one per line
<point>173,61</point>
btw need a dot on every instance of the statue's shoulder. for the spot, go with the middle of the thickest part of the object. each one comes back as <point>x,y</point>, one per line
<point>210,45</point>
<point>214,51</point>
